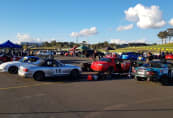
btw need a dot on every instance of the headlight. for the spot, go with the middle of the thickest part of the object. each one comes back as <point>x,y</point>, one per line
<point>100,64</point>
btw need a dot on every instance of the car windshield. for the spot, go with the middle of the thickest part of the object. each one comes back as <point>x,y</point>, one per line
<point>28,60</point>
<point>105,59</point>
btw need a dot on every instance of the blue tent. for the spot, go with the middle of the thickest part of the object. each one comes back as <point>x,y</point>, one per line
<point>9,44</point>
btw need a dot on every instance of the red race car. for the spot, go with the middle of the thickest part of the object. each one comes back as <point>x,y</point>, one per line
<point>111,65</point>
<point>169,56</point>
<point>5,58</point>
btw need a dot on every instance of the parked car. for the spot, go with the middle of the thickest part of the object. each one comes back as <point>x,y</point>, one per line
<point>13,66</point>
<point>130,55</point>
<point>6,58</point>
<point>169,56</point>
<point>111,65</point>
<point>60,53</point>
<point>45,53</point>
<point>155,70</point>
<point>49,68</point>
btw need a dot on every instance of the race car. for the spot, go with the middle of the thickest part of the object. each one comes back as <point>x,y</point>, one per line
<point>13,66</point>
<point>169,56</point>
<point>130,55</point>
<point>6,58</point>
<point>111,65</point>
<point>49,68</point>
<point>154,70</point>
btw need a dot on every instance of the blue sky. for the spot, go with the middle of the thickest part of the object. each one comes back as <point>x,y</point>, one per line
<point>46,20</point>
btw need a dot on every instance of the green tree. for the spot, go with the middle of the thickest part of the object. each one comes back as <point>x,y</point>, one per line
<point>53,43</point>
<point>163,35</point>
<point>46,44</point>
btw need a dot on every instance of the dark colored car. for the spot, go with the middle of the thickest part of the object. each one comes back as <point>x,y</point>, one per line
<point>130,55</point>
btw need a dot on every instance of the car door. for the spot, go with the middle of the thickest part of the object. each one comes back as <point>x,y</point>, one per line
<point>59,68</point>
<point>50,68</point>
<point>164,69</point>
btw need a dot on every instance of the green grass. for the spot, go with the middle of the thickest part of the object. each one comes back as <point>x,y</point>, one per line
<point>154,48</point>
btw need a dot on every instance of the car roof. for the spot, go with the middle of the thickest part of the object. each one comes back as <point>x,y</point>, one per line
<point>31,57</point>
<point>110,57</point>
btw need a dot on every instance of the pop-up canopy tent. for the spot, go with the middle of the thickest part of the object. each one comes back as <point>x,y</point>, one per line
<point>9,44</point>
<point>82,47</point>
<point>74,48</point>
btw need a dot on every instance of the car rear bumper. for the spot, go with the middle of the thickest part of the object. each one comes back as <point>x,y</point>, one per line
<point>25,74</point>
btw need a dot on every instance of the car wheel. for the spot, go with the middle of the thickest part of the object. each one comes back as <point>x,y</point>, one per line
<point>74,74</point>
<point>39,76</point>
<point>164,80</point>
<point>13,70</point>
<point>138,78</point>
<point>110,70</point>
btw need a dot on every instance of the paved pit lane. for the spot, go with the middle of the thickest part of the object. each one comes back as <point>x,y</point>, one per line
<point>59,98</point>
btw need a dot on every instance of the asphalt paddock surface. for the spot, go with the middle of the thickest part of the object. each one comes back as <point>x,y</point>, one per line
<point>61,98</point>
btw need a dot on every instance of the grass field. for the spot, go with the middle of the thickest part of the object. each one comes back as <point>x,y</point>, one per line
<point>154,48</point>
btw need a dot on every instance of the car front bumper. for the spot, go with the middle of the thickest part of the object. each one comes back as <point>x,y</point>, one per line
<point>3,70</point>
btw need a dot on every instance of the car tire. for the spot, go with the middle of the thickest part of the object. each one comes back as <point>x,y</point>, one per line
<point>138,78</point>
<point>13,70</point>
<point>74,75</point>
<point>164,80</point>
<point>110,70</point>
<point>39,76</point>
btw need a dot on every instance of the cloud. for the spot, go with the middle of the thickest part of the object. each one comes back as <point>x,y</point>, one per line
<point>128,27</point>
<point>118,41</point>
<point>143,40</point>
<point>85,32</point>
<point>145,17</point>
<point>171,22</point>
<point>26,38</point>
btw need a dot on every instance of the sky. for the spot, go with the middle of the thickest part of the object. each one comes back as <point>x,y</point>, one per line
<point>94,21</point>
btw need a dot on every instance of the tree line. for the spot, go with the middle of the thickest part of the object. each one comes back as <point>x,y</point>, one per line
<point>165,35</point>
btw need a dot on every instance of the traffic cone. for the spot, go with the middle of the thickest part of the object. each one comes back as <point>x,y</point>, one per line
<point>90,78</point>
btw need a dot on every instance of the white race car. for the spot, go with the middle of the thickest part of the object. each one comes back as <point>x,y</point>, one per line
<point>49,68</point>
<point>13,66</point>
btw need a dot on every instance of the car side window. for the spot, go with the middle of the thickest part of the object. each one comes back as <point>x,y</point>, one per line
<point>164,66</point>
<point>49,63</point>
<point>57,64</point>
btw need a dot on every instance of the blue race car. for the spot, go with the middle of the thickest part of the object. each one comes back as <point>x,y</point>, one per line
<point>154,70</point>
<point>130,55</point>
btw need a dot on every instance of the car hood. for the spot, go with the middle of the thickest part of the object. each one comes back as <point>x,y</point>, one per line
<point>100,62</point>
<point>10,63</point>
<point>70,65</point>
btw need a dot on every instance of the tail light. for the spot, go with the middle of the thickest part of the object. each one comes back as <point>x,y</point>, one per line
<point>150,73</point>
<point>25,70</point>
